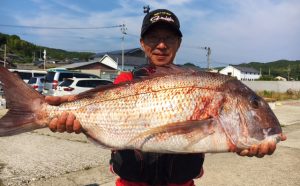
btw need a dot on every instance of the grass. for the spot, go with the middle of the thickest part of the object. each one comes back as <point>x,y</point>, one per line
<point>277,96</point>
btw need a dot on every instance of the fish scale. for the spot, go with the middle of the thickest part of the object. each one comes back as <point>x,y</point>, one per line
<point>141,111</point>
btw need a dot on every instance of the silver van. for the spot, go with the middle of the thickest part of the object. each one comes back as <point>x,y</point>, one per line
<point>55,76</point>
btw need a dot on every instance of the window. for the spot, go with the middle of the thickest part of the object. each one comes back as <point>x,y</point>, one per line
<point>84,83</point>
<point>25,75</point>
<point>35,74</point>
<point>81,75</point>
<point>66,83</point>
<point>32,81</point>
<point>102,82</point>
<point>92,83</point>
<point>64,75</point>
<point>50,77</point>
<point>42,80</point>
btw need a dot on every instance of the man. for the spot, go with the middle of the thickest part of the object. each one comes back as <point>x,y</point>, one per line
<point>160,40</point>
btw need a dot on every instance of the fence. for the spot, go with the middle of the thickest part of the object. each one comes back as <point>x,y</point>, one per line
<point>276,86</point>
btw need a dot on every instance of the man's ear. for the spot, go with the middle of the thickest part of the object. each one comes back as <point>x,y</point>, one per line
<point>179,43</point>
<point>142,44</point>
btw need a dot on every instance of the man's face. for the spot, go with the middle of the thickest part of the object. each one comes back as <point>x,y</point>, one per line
<point>160,44</point>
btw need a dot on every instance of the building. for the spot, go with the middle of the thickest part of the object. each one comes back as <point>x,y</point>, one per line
<point>241,73</point>
<point>107,65</point>
<point>8,64</point>
<point>132,58</point>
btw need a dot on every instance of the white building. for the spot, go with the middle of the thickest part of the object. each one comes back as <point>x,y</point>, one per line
<point>241,73</point>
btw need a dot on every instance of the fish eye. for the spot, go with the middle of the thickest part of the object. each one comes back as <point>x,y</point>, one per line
<point>254,101</point>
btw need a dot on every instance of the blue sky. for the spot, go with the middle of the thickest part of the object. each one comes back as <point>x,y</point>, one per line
<point>236,31</point>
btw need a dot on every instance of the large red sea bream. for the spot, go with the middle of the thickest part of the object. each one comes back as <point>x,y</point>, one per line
<point>179,111</point>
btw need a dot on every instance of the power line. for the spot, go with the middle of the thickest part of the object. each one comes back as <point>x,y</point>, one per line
<point>60,28</point>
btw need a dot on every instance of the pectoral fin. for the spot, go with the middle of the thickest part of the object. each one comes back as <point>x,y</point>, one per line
<point>193,130</point>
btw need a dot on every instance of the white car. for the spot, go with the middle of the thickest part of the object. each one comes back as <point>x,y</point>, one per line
<point>78,85</point>
<point>55,76</point>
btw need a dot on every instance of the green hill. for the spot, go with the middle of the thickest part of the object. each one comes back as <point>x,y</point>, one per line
<point>23,51</point>
<point>284,68</point>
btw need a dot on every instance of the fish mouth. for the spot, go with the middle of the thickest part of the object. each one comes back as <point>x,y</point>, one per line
<point>270,132</point>
<point>248,142</point>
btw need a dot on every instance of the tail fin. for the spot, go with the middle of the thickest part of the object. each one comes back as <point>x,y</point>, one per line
<point>22,101</point>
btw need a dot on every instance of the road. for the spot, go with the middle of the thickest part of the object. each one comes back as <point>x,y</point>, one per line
<point>45,158</point>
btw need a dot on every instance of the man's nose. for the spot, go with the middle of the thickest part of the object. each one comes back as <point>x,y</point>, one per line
<point>161,44</point>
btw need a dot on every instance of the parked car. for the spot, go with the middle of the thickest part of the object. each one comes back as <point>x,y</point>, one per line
<point>1,89</point>
<point>37,83</point>
<point>78,85</point>
<point>27,74</point>
<point>56,76</point>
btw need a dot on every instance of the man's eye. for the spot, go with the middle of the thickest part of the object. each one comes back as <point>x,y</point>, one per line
<point>169,39</point>
<point>152,39</point>
<point>254,101</point>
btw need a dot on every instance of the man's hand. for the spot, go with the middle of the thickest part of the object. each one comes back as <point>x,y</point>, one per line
<point>261,150</point>
<point>66,121</point>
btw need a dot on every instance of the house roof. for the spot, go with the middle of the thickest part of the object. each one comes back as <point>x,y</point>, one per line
<point>127,52</point>
<point>129,60</point>
<point>246,69</point>
<point>80,64</point>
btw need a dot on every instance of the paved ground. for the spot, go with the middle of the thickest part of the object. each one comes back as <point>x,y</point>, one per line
<point>45,158</point>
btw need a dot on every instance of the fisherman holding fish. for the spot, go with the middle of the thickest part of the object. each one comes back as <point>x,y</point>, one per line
<point>160,39</point>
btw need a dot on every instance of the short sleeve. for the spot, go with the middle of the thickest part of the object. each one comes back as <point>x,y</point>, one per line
<point>123,77</point>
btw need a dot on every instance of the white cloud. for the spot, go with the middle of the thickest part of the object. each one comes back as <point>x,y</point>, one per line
<point>255,31</point>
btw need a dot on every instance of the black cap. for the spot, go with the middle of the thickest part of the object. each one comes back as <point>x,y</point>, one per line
<point>161,16</point>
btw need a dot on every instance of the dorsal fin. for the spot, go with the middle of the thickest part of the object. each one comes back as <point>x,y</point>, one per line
<point>159,72</point>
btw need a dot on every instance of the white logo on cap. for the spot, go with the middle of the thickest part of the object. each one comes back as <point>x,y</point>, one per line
<point>157,18</point>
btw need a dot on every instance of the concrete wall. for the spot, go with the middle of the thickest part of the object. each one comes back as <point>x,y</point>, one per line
<point>276,86</point>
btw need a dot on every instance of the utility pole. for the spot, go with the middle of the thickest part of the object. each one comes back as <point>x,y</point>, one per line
<point>4,59</point>
<point>289,70</point>
<point>33,60</point>
<point>260,71</point>
<point>45,55</point>
<point>123,30</point>
<point>208,55</point>
<point>146,11</point>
